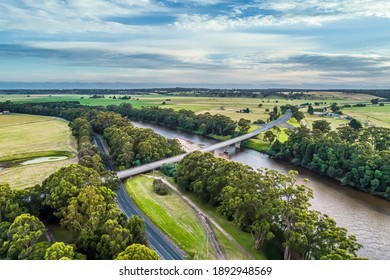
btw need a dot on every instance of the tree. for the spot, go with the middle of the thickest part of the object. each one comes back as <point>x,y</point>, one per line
<point>310,110</point>
<point>89,209</point>
<point>253,204</point>
<point>321,125</point>
<point>9,208</point>
<point>65,184</point>
<point>137,228</point>
<point>296,221</point>
<point>138,252</point>
<point>355,124</point>
<point>22,235</point>
<point>269,136</point>
<point>375,101</point>
<point>39,250</point>
<point>298,115</point>
<point>159,187</point>
<point>59,251</point>
<point>114,240</point>
<point>332,242</point>
<point>335,108</point>
<point>243,126</point>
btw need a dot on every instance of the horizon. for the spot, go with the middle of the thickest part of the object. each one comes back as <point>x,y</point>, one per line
<point>132,86</point>
<point>196,43</point>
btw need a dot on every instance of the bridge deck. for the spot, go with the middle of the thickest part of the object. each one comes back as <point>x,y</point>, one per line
<point>157,164</point>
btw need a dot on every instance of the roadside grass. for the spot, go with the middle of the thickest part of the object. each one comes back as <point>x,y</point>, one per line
<point>243,238</point>
<point>230,249</point>
<point>24,137</point>
<point>173,216</point>
<point>253,128</point>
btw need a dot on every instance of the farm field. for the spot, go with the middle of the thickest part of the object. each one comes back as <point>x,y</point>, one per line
<point>228,106</point>
<point>371,115</point>
<point>334,122</point>
<point>173,216</point>
<point>25,137</point>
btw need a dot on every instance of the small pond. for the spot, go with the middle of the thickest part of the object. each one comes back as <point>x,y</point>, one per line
<point>43,159</point>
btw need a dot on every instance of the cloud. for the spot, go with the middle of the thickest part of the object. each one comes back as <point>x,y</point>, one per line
<point>197,41</point>
<point>352,64</point>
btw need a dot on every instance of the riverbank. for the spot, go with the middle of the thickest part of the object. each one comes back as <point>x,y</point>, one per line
<point>365,216</point>
<point>189,147</point>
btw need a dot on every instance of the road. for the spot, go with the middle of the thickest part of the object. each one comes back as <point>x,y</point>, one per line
<point>156,238</point>
<point>157,164</point>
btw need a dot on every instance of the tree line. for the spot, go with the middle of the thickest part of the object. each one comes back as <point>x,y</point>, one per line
<point>76,199</point>
<point>270,205</point>
<point>130,146</point>
<point>185,120</point>
<point>355,156</point>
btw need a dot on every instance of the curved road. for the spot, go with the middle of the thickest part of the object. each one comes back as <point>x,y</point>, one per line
<point>157,164</point>
<point>157,239</point>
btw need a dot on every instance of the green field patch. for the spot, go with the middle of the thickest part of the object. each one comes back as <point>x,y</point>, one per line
<point>173,216</point>
<point>256,144</point>
<point>334,122</point>
<point>371,115</point>
<point>220,137</point>
<point>294,122</point>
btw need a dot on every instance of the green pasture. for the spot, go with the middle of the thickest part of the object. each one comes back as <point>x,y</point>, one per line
<point>24,137</point>
<point>371,115</point>
<point>173,216</point>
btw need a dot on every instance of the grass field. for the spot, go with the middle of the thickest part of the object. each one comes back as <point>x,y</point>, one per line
<point>221,105</point>
<point>242,238</point>
<point>173,216</point>
<point>371,115</point>
<point>229,106</point>
<point>334,122</point>
<point>24,137</point>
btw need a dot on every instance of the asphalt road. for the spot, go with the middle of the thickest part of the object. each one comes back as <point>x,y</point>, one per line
<point>156,238</point>
<point>157,164</point>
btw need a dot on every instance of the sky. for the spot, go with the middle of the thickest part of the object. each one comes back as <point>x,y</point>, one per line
<point>204,43</point>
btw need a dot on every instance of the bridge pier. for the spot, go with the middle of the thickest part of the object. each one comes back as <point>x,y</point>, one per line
<point>225,150</point>
<point>237,145</point>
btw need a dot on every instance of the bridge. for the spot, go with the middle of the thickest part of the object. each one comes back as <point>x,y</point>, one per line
<point>234,141</point>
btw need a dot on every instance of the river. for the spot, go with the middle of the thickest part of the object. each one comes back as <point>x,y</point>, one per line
<point>365,216</point>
